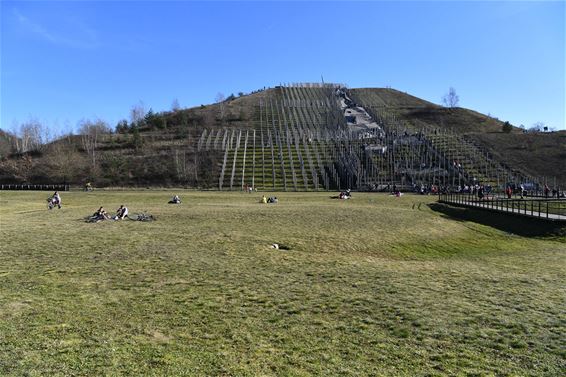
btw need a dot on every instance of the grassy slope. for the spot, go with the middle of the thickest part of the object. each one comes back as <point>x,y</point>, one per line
<point>370,286</point>
<point>413,109</point>
<point>388,97</point>
<point>536,154</point>
<point>540,154</point>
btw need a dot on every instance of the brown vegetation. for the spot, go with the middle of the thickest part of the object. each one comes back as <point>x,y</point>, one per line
<point>161,149</point>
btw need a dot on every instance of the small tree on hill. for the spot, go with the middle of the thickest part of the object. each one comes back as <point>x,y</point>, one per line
<point>137,141</point>
<point>137,114</point>
<point>537,127</point>
<point>507,127</point>
<point>91,133</point>
<point>29,136</point>
<point>451,99</point>
<point>122,127</point>
<point>175,105</point>
<point>220,100</point>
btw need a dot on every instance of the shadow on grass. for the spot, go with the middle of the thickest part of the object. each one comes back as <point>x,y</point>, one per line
<point>523,226</point>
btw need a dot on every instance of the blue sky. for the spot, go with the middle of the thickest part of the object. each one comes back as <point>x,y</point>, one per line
<point>65,61</point>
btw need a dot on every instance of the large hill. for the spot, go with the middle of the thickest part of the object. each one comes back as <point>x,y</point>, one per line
<point>299,137</point>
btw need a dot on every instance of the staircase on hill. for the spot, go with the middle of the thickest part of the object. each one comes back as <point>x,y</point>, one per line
<point>312,137</point>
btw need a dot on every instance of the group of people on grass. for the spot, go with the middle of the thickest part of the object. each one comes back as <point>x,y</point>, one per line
<point>101,214</point>
<point>122,212</point>
<point>270,200</point>
<point>480,190</point>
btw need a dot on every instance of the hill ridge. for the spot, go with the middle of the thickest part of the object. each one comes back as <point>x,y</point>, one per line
<point>291,137</point>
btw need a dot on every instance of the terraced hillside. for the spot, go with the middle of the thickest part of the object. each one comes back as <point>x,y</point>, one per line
<point>301,137</point>
<point>325,137</point>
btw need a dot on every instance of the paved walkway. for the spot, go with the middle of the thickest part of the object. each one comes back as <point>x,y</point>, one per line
<point>515,210</point>
<point>363,120</point>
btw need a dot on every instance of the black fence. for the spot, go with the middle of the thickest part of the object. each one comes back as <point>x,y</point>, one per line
<point>35,187</point>
<point>552,209</point>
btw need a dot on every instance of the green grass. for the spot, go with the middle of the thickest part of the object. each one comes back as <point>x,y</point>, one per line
<point>370,286</point>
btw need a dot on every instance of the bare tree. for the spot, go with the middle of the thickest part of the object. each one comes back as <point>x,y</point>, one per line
<point>137,114</point>
<point>175,105</point>
<point>220,100</point>
<point>537,127</point>
<point>91,133</point>
<point>181,162</point>
<point>63,161</point>
<point>451,99</point>
<point>28,136</point>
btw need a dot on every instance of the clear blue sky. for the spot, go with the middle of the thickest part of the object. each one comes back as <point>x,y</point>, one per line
<point>63,61</point>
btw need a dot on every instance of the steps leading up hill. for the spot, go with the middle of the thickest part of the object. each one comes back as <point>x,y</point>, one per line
<point>301,137</point>
<point>309,138</point>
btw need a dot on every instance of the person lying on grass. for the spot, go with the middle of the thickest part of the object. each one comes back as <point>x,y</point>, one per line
<point>345,195</point>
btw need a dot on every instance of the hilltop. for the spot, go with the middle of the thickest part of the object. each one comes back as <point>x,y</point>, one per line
<point>303,137</point>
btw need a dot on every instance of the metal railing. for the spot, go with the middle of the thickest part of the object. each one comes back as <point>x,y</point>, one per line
<point>552,209</point>
<point>34,187</point>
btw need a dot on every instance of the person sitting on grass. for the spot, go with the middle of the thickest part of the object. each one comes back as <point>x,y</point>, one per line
<point>100,215</point>
<point>175,200</point>
<point>121,213</point>
<point>263,200</point>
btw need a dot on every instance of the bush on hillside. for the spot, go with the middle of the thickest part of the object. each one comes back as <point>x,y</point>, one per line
<point>507,127</point>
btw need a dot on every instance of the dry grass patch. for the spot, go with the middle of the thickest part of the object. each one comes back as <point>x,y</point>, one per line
<point>369,286</point>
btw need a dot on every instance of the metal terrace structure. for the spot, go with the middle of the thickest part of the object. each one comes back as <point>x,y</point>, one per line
<point>310,137</point>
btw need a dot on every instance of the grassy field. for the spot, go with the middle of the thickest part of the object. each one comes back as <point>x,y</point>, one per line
<point>375,285</point>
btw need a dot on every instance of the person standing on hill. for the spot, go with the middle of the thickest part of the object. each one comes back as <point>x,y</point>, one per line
<point>480,192</point>
<point>546,190</point>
